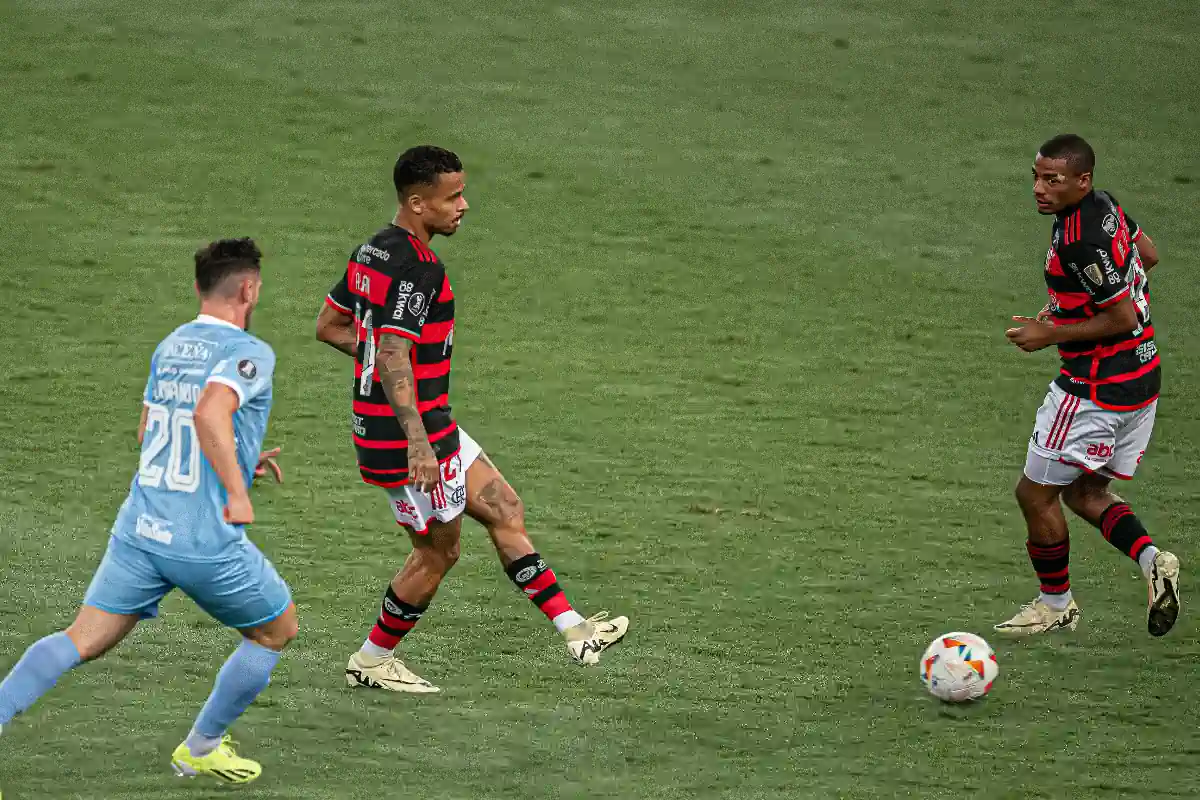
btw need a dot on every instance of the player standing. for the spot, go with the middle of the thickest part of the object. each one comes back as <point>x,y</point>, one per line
<point>204,415</point>
<point>1096,421</point>
<point>393,312</point>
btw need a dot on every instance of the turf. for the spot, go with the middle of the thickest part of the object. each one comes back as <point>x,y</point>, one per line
<point>731,307</point>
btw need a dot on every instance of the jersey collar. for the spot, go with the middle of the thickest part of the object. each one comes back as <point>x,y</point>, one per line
<point>1069,210</point>
<point>208,319</point>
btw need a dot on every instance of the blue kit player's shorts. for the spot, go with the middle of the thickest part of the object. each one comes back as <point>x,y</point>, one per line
<point>242,590</point>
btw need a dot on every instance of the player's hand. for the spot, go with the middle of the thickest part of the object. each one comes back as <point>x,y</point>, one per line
<point>423,471</point>
<point>238,511</point>
<point>1032,336</point>
<point>266,460</point>
<point>1046,315</point>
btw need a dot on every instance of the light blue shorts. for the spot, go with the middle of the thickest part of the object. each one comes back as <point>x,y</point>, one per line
<point>241,591</point>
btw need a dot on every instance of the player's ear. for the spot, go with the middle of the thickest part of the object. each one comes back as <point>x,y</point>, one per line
<point>196,286</point>
<point>415,202</point>
<point>250,288</point>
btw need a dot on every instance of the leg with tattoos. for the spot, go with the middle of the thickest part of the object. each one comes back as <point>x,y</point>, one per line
<point>493,503</point>
<point>468,482</point>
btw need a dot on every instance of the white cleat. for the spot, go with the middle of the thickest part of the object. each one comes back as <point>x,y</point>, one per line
<point>1037,617</point>
<point>1164,593</point>
<point>387,673</point>
<point>587,640</point>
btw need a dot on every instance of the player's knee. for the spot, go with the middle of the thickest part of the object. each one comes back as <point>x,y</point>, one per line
<point>1033,497</point>
<point>88,651</point>
<point>511,516</point>
<point>499,506</point>
<point>449,554</point>
<point>278,634</point>
<point>1075,496</point>
<point>289,629</point>
<point>1087,497</point>
<point>89,647</point>
<point>438,558</point>
<point>1021,493</point>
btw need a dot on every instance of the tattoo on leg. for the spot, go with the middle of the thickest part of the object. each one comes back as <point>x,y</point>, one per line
<point>500,500</point>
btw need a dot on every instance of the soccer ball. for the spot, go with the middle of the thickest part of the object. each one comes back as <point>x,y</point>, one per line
<point>958,667</point>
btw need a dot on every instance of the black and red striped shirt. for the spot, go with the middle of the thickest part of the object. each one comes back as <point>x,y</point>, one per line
<point>1092,264</point>
<point>395,284</point>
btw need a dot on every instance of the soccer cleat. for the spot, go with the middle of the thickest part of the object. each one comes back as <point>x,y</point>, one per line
<point>1164,593</point>
<point>223,764</point>
<point>1037,617</point>
<point>587,640</point>
<point>387,673</point>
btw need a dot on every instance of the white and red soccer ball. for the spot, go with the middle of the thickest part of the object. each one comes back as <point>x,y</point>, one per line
<point>958,667</point>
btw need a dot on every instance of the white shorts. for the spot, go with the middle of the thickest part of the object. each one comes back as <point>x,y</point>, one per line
<point>1073,436</point>
<point>447,500</point>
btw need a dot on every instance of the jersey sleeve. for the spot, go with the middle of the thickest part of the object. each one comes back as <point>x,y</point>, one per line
<point>148,392</point>
<point>1135,230</point>
<point>247,367</point>
<point>339,297</point>
<point>1093,267</point>
<point>408,301</point>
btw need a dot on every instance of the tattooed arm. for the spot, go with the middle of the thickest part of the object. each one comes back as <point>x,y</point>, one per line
<point>336,329</point>
<point>394,365</point>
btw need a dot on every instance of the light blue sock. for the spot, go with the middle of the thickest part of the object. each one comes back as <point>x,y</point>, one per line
<point>244,676</point>
<point>36,673</point>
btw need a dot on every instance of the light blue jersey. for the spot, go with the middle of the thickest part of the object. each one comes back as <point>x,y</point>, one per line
<point>171,531</point>
<point>176,502</point>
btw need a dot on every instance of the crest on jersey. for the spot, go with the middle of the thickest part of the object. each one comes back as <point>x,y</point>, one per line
<point>1095,275</point>
<point>1110,224</point>
<point>247,369</point>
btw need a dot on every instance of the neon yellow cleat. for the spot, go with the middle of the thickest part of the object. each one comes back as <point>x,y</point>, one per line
<point>223,764</point>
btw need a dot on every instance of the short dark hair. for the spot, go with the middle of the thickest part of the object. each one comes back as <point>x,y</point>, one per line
<point>420,166</point>
<point>223,258</point>
<point>1077,152</point>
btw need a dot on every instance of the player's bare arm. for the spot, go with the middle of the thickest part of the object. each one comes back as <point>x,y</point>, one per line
<point>214,429</point>
<point>142,423</point>
<point>1148,251</point>
<point>337,330</point>
<point>394,364</point>
<point>1112,321</point>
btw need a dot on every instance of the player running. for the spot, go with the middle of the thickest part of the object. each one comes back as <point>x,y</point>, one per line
<point>204,415</point>
<point>1097,418</point>
<point>393,312</point>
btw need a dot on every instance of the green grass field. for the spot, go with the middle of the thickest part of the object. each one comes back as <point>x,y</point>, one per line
<point>732,297</point>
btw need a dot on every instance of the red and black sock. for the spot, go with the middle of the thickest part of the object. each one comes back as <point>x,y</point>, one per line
<point>396,619</point>
<point>537,581</point>
<point>1124,531</point>
<point>1051,565</point>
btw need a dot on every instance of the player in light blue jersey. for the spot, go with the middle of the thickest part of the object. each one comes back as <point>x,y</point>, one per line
<point>204,415</point>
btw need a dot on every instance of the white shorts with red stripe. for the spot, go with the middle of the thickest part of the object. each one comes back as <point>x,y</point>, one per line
<point>1073,436</point>
<point>447,501</point>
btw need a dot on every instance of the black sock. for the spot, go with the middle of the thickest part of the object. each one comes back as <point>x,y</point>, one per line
<point>1050,564</point>
<point>1124,531</point>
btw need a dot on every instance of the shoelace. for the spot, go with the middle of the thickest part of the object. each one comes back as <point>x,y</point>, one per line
<point>597,618</point>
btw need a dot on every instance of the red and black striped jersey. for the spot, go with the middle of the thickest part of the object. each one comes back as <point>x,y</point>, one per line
<point>394,284</point>
<point>1093,263</point>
